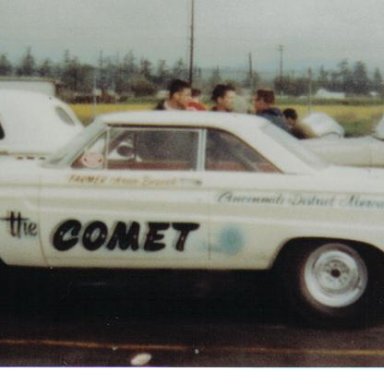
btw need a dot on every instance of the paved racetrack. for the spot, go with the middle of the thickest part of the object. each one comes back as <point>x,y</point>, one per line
<point>168,319</point>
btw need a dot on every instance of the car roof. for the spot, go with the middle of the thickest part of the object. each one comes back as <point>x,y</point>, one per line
<point>183,118</point>
<point>250,128</point>
<point>34,122</point>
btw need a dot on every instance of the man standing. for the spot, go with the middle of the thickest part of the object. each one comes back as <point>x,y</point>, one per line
<point>264,106</point>
<point>179,97</point>
<point>195,104</point>
<point>223,96</point>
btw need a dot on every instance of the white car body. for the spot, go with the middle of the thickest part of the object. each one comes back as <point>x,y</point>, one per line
<point>329,142</point>
<point>365,151</point>
<point>33,124</point>
<point>94,204</point>
<point>322,125</point>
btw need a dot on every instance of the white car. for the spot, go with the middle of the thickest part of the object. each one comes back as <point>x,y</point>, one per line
<point>33,124</point>
<point>328,141</point>
<point>202,190</point>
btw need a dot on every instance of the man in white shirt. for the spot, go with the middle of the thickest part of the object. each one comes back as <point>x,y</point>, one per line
<point>180,95</point>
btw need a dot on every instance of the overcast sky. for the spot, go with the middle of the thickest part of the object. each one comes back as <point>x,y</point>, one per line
<point>313,32</point>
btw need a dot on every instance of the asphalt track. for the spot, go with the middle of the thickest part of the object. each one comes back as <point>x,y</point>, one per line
<point>168,319</point>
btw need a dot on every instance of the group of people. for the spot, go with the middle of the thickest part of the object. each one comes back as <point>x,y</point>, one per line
<point>183,97</point>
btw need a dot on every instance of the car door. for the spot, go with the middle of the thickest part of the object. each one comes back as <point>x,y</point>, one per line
<point>132,198</point>
<point>247,203</point>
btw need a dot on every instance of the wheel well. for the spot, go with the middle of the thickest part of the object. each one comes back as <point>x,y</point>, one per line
<point>366,250</point>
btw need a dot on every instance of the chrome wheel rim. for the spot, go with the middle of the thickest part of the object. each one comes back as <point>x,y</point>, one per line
<point>335,275</point>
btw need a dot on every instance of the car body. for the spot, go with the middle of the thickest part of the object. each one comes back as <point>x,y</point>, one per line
<point>327,139</point>
<point>185,190</point>
<point>33,124</point>
<point>365,151</point>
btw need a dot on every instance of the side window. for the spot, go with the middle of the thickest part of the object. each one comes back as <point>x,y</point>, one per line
<point>146,148</point>
<point>152,149</point>
<point>225,152</point>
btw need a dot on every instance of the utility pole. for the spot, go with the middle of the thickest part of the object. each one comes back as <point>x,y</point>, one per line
<point>281,51</point>
<point>192,42</point>
<point>94,92</point>
<point>250,71</point>
<point>310,90</point>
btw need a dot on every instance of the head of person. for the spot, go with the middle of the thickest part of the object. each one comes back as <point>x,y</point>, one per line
<point>224,96</point>
<point>179,94</point>
<point>264,99</point>
<point>291,116</point>
<point>196,93</point>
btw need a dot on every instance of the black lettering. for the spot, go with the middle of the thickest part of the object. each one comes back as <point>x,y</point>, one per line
<point>184,229</point>
<point>20,226</point>
<point>15,223</point>
<point>153,236</point>
<point>32,229</point>
<point>94,235</point>
<point>123,238</point>
<point>66,235</point>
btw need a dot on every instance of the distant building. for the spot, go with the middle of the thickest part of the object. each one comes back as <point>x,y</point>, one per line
<point>323,93</point>
<point>36,84</point>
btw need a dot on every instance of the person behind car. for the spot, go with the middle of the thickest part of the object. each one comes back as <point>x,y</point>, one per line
<point>291,118</point>
<point>223,96</point>
<point>195,104</point>
<point>264,106</point>
<point>297,127</point>
<point>179,97</point>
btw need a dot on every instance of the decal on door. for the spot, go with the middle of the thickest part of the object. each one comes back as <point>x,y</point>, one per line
<point>19,226</point>
<point>124,236</point>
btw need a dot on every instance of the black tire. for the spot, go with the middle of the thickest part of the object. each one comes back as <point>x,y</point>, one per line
<point>330,284</point>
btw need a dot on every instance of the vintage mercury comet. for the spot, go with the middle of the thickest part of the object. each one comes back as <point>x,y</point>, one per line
<point>201,191</point>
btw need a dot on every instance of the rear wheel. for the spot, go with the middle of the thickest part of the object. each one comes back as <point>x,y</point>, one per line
<point>330,283</point>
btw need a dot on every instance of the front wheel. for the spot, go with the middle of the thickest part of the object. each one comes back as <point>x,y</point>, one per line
<point>330,283</point>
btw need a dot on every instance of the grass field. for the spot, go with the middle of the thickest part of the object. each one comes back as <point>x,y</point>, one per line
<point>357,120</point>
<point>87,112</point>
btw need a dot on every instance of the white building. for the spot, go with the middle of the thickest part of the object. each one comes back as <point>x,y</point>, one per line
<point>323,93</point>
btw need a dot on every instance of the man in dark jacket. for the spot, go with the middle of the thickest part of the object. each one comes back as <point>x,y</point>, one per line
<point>264,106</point>
<point>179,97</point>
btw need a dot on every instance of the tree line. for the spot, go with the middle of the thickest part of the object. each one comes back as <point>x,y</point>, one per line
<point>131,76</point>
<point>351,79</point>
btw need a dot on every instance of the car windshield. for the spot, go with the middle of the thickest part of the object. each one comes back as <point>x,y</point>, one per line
<point>64,155</point>
<point>294,146</point>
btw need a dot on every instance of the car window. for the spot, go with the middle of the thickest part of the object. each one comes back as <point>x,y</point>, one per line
<point>225,152</point>
<point>294,146</point>
<point>142,149</point>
